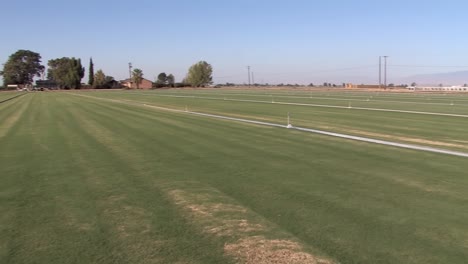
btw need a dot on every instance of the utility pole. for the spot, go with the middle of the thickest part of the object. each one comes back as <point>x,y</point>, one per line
<point>248,72</point>
<point>385,71</point>
<point>130,74</point>
<point>253,80</point>
<point>380,72</point>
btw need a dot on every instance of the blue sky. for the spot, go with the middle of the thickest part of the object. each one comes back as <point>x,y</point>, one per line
<point>295,41</point>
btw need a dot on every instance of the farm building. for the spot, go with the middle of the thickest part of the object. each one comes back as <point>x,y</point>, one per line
<point>49,84</point>
<point>145,84</point>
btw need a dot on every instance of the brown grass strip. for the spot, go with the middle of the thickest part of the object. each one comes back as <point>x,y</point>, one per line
<point>249,234</point>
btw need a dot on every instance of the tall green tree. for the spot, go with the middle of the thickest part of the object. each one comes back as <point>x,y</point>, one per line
<point>170,80</point>
<point>99,79</point>
<point>162,79</point>
<point>21,67</point>
<point>67,72</point>
<point>111,82</point>
<point>200,74</point>
<point>102,81</point>
<point>91,72</point>
<point>137,77</point>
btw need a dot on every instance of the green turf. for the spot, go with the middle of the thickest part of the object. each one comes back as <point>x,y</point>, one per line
<point>5,95</point>
<point>92,181</point>
<point>436,131</point>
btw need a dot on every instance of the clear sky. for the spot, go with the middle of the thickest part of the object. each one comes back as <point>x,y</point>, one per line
<point>295,41</point>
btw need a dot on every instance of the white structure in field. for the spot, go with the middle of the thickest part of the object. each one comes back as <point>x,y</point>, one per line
<point>439,88</point>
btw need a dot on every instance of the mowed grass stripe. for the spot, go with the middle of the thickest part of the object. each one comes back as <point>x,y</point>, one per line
<point>80,215</point>
<point>388,183</point>
<point>4,100</point>
<point>25,181</point>
<point>7,95</point>
<point>10,113</point>
<point>241,228</point>
<point>53,204</point>
<point>240,242</point>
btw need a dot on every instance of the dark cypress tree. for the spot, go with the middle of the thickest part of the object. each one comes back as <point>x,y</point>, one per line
<point>91,72</point>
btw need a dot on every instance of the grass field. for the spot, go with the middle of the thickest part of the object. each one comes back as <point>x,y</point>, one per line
<point>431,130</point>
<point>4,96</point>
<point>88,180</point>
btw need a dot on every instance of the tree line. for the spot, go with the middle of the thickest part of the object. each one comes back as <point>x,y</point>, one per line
<point>67,72</point>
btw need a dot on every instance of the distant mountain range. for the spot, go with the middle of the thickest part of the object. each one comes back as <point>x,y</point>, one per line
<point>447,79</point>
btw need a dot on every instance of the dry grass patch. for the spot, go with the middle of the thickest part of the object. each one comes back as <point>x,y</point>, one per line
<point>130,221</point>
<point>220,219</point>
<point>259,250</point>
<point>421,186</point>
<point>247,232</point>
<point>70,218</point>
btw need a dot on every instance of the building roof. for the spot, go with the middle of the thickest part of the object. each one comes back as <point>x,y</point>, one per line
<point>128,80</point>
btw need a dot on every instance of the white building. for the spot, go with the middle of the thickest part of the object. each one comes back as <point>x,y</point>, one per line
<point>439,88</point>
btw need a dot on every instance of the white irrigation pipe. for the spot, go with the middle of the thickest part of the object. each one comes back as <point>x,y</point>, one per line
<point>306,94</point>
<point>289,126</point>
<point>377,109</point>
<point>384,142</point>
<point>314,105</point>
<point>367,99</point>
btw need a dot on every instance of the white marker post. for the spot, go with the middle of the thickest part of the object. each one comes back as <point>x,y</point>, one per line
<point>289,122</point>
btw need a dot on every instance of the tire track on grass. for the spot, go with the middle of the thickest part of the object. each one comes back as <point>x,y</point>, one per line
<point>11,98</point>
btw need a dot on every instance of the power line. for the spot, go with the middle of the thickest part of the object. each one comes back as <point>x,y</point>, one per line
<point>385,72</point>
<point>427,66</point>
<point>321,71</point>
<point>248,72</point>
<point>130,74</point>
<point>380,71</point>
<point>228,76</point>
